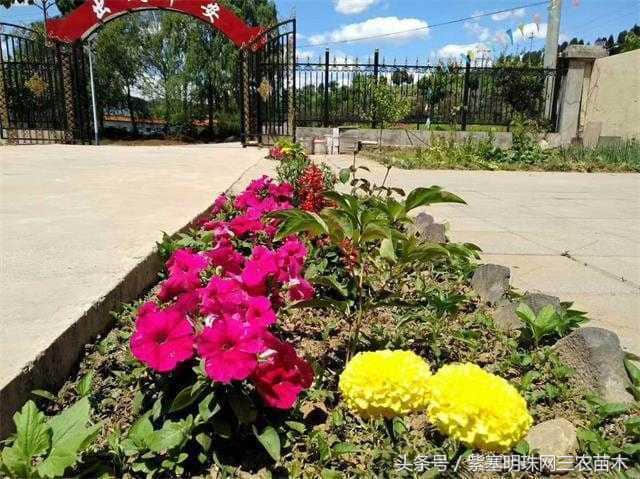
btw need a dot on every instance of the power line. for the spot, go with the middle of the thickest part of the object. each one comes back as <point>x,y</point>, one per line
<point>382,35</point>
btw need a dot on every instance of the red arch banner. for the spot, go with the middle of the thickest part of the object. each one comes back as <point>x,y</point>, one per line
<point>82,21</point>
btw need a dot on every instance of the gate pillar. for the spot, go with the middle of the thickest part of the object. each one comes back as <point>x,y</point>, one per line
<point>4,110</point>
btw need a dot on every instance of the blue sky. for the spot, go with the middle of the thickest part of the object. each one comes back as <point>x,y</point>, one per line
<point>323,21</point>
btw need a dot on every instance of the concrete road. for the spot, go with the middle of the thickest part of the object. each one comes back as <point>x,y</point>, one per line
<point>75,220</point>
<point>573,235</point>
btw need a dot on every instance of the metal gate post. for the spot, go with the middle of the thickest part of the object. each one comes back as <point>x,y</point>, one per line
<point>69,100</point>
<point>325,119</point>
<point>376,62</point>
<point>465,95</point>
<point>291,60</point>
<point>4,110</point>
<point>246,126</point>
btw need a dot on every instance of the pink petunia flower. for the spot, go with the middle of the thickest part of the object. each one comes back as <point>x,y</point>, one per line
<point>247,223</point>
<point>219,204</point>
<point>262,265</point>
<point>178,283</point>
<point>187,302</point>
<point>162,338</point>
<point>222,297</point>
<point>300,290</point>
<point>186,261</point>
<point>259,312</point>
<point>230,349</point>
<point>283,376</point>
<point>291,256</point>
<point>227,257</point>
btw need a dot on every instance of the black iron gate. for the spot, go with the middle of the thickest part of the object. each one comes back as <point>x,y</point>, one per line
<point>43,89</point>
<point>269,85</point>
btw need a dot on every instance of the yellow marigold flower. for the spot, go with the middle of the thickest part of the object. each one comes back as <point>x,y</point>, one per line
<point>478,408</point>
<point>385,383</point>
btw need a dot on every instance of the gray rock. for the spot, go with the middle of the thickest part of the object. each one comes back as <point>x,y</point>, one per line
<point>597,358</point>
<point>537,301</point>
<point>491,282</point>
<point>505,317</point>
<point>427,229</point>
<point>555,437</point>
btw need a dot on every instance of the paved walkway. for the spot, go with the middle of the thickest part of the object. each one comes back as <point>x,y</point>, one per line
<point>573,235</point>
<point>74,220</point>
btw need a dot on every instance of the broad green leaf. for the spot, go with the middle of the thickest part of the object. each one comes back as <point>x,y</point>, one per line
<point>387,251</point>
<point>330,474</point>
<point>243,407</point>
<point>33,434</point>
<point>171,435</point>
<point>270,441</point>
<point>186,397</point>
<point>526,314</point>
<point>612,409</point>
<point>15,461</point>
<point>70,435</point>
<point>141,431</point>
<point>427,196</point>
<point>84,385</point>
<point>298,221</point>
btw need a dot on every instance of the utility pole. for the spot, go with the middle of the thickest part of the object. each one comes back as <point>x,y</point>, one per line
<point>553,34</point>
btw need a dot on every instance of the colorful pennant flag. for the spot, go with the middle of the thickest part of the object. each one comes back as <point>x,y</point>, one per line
<point>510,33</point>
<point>521,28</point>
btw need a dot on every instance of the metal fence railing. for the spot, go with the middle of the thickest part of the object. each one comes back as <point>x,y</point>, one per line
<point>333,92</point>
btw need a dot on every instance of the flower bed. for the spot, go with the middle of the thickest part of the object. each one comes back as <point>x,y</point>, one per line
<point>304,332</point>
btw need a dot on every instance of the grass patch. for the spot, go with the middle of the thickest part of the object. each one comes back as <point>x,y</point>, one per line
<point>482,155</point>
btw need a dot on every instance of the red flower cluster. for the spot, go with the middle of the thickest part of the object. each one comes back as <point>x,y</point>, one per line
<point>276,153</point>
<point>234,308</point>
<point>311,188</point>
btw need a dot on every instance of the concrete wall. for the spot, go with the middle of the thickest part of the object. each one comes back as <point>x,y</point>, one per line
<point>345,140</point>
<point>613,96</point>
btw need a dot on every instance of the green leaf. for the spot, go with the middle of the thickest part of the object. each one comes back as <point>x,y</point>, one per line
<point>298,221</point>
<point>204,408</point>
<point>243,408</point>
<point>612,409</point>
<point>33,438</point>
<point>296,426</point>
<point>204,440</point>
<point>84,385</point>
<point>428,196</point>
<point>171,435</point>
<point>270,441</point>
<point>344,175</point>
<point>141,431</point>
<point>344,448</point>
<point>186,397</point>
<point>526,314</point>
<point>633,370</point>
<point>387,251</point>
<point>330,474</point>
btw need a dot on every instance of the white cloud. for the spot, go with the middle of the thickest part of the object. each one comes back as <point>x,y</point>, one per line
<point>454,51</point>
<point>498,17</point>
<point>349,7</point>
<point>483,33</point>
<point>375,26</point>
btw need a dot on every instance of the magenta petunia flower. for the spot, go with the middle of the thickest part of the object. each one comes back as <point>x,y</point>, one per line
<point>222,297</point>
<point>187,302</point>
<point>291,256</point>
<point>283,376</point>
<point>230,349</point>
<point>259,312</point>
<point>186,261</point>
<point>219,204</point>
<point>300,290</point>
<point>162,338</point>
<point>177,284</point>
<point>227,257</point>
<point>247,223</point>
<point>262,265</point>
